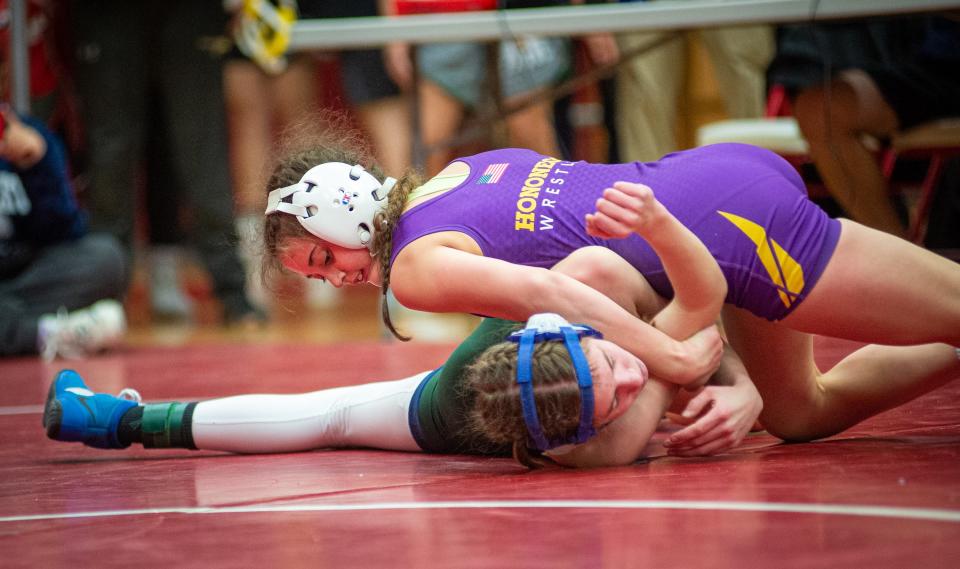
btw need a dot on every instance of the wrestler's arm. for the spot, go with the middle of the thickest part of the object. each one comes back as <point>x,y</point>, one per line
<point>728,406</point>
<point>625,440</point>
<point>699,285</point>
<point>429,275</point>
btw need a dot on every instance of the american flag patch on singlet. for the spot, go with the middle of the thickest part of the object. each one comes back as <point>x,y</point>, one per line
<point>493,173</point>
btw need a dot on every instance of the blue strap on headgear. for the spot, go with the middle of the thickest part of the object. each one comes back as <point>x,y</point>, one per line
<point>539,328</point>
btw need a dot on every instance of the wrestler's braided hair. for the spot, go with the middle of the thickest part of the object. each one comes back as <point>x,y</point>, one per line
<point>327,137</point>
<point>384,224</point>
<point>495,413</point>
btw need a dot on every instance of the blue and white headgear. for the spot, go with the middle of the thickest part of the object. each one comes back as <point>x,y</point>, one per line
<point>539,328</point>
<point>334,201</point>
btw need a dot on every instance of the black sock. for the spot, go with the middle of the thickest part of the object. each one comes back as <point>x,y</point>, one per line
<point>130,429</point>
<point>186,427</point>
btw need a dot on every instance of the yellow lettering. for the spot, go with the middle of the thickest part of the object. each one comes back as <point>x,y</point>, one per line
<point>526,205</point>
<point>539,172</point>
<point>523,221</point>
<point>524,218</point>
<point>529,192</point>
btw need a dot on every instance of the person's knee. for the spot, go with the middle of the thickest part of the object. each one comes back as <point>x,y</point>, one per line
<point>809,108</point>
<point>794,427</point>
<point>788,432</point>
<point>849,106</point>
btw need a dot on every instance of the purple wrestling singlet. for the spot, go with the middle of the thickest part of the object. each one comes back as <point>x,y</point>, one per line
<point>746,204</point>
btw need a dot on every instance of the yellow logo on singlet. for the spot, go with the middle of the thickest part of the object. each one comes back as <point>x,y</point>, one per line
<point>785,272</point>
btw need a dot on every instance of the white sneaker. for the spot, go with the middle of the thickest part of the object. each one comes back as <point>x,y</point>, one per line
<point>80,332</point>
<point>167,299</point>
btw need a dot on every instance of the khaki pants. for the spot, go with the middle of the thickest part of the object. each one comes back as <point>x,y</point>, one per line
<point>648,86</point>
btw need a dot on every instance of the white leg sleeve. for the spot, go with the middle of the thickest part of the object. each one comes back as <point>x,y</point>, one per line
<point>373,415</point>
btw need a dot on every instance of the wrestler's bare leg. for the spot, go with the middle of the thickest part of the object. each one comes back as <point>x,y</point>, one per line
<point>803,403</point>
<point>884,290</point>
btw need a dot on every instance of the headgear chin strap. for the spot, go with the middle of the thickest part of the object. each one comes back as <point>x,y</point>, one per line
<point>539,328</point>
<point>334,201</point>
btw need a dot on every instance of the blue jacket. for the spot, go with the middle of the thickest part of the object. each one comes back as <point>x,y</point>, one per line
<point>37,205</point>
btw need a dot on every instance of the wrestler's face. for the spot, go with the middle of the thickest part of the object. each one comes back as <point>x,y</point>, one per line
<point>618,377</point>
<point>646,405</point>
<point>317,259</point>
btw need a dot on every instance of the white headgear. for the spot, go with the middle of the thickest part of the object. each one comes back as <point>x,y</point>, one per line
<point>334,201</point>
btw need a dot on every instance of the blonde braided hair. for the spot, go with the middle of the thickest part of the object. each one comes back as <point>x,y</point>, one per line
<point>495,411</point>
<point>384,224</point>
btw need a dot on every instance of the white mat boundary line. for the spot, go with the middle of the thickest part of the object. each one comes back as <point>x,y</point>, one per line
<point>926,514</point>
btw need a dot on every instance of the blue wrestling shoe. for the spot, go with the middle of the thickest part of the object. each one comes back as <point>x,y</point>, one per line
<point>74,413</point>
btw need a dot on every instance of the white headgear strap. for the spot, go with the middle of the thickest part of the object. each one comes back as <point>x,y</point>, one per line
<point>334,201</point>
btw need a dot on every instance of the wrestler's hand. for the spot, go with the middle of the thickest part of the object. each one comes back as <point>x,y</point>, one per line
<point>719,417</point>
<point>624,209</point>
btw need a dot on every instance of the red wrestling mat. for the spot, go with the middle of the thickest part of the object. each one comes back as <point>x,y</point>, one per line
<point>883,495</point>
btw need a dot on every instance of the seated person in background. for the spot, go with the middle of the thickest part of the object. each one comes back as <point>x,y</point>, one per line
<point>58,285</point>
<point>867,78</point>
